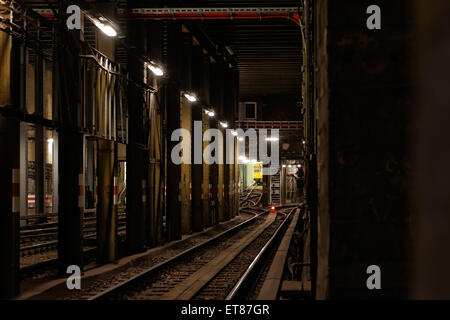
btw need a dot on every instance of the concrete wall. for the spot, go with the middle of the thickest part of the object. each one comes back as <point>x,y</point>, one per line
<point>430,147</point>
<point>363,99</point>
<point>273,107</point>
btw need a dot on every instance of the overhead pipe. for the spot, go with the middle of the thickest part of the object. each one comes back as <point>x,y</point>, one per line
<point>200,14</point>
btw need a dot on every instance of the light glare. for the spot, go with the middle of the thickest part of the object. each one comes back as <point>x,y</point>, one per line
<point>106,29</point>
<point>190,97</point>
<point>156,70</point>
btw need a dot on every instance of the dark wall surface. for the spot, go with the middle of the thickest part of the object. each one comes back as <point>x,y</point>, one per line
<point>364,102</point>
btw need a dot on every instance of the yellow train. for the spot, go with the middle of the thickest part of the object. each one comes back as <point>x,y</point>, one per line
<point>257,171</point>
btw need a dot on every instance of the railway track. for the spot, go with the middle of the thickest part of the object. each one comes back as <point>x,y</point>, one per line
<point>49,264</point>
<point>211,270</point>
<point>39,244</point>
<point>40,238</point>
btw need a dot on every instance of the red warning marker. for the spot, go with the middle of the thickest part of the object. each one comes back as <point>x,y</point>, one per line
<point>15,191</point>
<point>81,191</point>
<point>273,209</point>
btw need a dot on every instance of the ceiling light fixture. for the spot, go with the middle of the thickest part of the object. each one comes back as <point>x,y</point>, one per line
<point>191,97</point>
<point>157,70</point>
<point>104,25</point>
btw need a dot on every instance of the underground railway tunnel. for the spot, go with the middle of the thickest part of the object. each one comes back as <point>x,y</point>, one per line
<point>212,150</point>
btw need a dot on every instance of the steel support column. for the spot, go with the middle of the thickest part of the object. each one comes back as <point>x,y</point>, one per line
<point>107,159</point>
<point>9,170</point>
<point>135,169</point>
<point>197,175</point>
<point>155,172</point>
<point>226,178</point>
<point>106,206</point>
<point>173,58</point>
<point>205,94</point>
<point>9,199</point>
<point>137,163</point>
<point>214,185</point>
<point>186,124</point>
<point>186,174</point>
<point>70,150</point>
<point>70,210</point>
<point>197,141</point>
<point>218,103</point>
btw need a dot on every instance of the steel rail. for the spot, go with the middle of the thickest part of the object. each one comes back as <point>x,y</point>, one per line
<point>239,287</point>
<point>135,279</point>
<point>39,245</point>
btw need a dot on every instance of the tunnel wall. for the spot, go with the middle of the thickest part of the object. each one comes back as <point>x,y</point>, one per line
<point>432,179</point>
<point>363,101</point>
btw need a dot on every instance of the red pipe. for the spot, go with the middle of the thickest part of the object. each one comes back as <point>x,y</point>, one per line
<point>211,16</point>
<point>295,17</point>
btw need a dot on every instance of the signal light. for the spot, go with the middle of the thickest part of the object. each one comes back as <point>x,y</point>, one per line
<point>272,209</point>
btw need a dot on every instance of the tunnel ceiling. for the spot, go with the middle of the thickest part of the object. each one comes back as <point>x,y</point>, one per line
<point>268,52</point>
